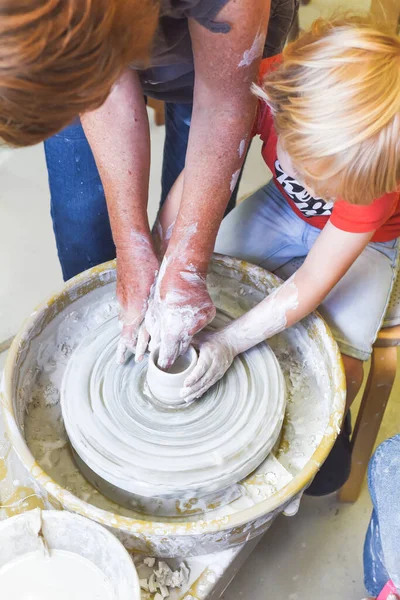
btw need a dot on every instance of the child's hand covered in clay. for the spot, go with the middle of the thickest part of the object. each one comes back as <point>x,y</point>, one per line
<point>284,306</point>
<point>216,356</point>
<point>219,348</point>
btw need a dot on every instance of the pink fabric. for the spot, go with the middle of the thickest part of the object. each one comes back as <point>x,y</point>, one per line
<point>388,591</point>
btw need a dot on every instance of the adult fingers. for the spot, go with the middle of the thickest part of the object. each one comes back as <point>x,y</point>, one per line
<point>142,343</point>
<point>122,352</point>
<point>184,344</point>
<point>153,328</point>
<point>204,317</point>
<point>127,343</point>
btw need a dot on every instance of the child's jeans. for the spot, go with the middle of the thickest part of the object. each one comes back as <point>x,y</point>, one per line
<point>265,231</point>
<point>382,544</point>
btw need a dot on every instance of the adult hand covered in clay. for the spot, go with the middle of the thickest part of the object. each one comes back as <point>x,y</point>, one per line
<point>136,273</point>
<point>217,352</point>
<point>181,306</point>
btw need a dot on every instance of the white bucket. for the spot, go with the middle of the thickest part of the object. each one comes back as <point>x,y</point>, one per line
<point>21,539</point>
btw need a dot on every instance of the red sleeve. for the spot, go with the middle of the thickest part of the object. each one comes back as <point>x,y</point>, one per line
<point>269,64</point>
<point>363,219</point>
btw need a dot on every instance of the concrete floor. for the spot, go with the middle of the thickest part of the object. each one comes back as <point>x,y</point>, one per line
<point>318,553</point>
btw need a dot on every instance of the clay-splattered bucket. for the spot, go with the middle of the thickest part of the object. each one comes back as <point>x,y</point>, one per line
<point>316,377</point>
<point>73,534</point>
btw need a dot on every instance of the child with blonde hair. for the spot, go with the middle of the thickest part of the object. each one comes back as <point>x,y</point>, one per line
<point>328,222</point>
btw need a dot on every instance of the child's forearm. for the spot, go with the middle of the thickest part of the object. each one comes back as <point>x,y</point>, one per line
<point>284,307</point>
<point>329,259</point>
<point>291,302</point>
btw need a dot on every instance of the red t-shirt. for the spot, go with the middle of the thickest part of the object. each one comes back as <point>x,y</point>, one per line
<point>382,216</point>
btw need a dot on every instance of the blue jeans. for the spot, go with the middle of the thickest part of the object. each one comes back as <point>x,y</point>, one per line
<point>382,544</point>
<point>78,207</point>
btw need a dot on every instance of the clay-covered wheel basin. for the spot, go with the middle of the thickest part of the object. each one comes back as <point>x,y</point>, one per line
<point>30,400</point>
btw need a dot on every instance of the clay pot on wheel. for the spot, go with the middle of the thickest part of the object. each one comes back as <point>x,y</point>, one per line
<point>166,385</point>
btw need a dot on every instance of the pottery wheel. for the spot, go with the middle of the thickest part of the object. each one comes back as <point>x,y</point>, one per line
<point>141,447</point>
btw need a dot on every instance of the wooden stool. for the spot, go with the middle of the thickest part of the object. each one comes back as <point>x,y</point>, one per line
<point>377,391</point>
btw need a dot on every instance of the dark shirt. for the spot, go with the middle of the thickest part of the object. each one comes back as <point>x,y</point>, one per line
<point>171,74</point>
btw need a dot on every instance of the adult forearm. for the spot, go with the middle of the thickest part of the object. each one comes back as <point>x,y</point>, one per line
<point>118,133</point>
<point>217,144</point>
<point>223,111</point>
<point>164,225</point>
<point>187,306</point>
<point>223,115</point>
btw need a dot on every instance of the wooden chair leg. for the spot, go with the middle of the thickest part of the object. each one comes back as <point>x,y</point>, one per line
<point>158,107</point>
<point>379,385</point>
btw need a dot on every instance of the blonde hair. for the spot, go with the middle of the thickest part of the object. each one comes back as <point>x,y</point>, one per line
<point>335,99</point>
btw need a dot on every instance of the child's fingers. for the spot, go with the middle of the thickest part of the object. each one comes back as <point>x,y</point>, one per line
<point>200,369</point>
<point>198,394</point>
<point>204,382</point>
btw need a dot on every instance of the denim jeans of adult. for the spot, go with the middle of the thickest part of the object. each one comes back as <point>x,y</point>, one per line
<point>382,543</point>
<point>78,207</point>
